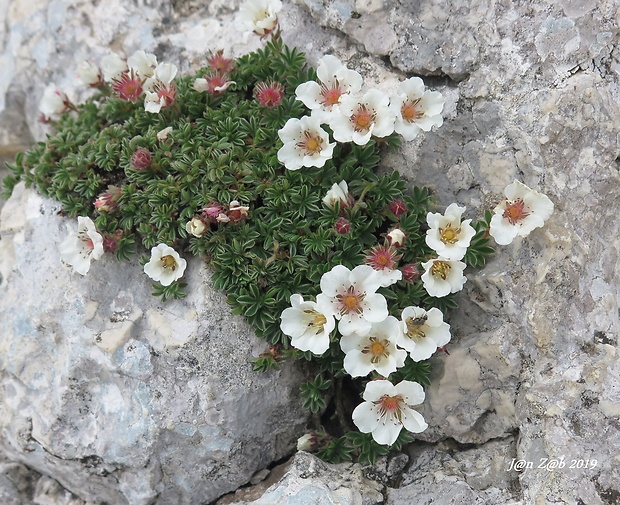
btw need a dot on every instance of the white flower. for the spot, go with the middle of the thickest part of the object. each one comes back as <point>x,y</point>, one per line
<point>165,265</point>
<point>376,350</point>
<point>335,80</point>
<point>448,236</point>
<point>351,296</point>
<point>88,73</point>
<point>259,16</point>
<point>416,109</point>
<point>388,409</point>
<point>196,227</point>
<point>422,332</point>
<point>308,326</point>
<point>306,144</point>
<point>362,117</point>
<point>112,66</point>
<point>163,134</point>
<point>442,276</point>
<point>53,101</point>
<point>523,211</point>
<point>338,193</point>
<point>82,246</point>
<point>142,63</point>
<point>160,90</point>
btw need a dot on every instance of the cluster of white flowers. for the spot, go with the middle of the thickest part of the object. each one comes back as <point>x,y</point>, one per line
<point>130,79</point>
<point>337,100</point>
<point>372,342</point>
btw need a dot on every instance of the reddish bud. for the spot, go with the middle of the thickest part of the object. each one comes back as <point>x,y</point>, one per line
<point>398,207</point>
<point>342,226</point>
<point>410,272</point>
<point>110,242</point>
<point>108,201</point>
<point>141,159</point>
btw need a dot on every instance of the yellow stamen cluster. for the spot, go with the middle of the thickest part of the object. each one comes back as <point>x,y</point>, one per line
<point>377,348</point>
<point>414,328</point>
<point>449,235</point>
<point>440,269</point>
<point>312,144</point>
<point>318,320</point>
<point>350,301</point>
<point>363,118</point>
<point>168,262</point>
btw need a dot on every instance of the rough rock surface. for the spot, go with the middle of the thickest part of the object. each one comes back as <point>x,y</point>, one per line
<point>309,480</point>
<point>532,93</point>
<point>118,397</point>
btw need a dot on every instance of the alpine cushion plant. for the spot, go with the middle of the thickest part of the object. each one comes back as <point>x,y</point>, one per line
<point>267,169</point>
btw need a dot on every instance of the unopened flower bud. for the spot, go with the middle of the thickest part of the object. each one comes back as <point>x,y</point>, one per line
<point>342,226</point>
<point>108,201</point>
<point>196,227</point>
<point>398,207</point>
<point>410,272</point>
<point>396,237</point>
<point>141,159</point>
<point>308,442</point>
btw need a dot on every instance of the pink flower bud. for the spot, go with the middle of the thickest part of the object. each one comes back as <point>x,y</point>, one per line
<point>141,159</point>
<point>108,201</point>
<point>410,272</point>
<point>342,226</point>
<point>398,207</point>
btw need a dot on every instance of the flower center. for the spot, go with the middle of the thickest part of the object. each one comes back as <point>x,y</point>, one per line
<point>127,87</point>
<point>515,211</point>
<point>440,269</point>
<point>350,301</point>
<point>377,348</point>
<point>414,327</point>
<point>391,405</point>
<point>363,118</point>
<point>311,144</point>
<point>317,320</point>
<point>331,96</point>
<point>381,257</point>
<point>449,235</point>
<point>410,112</point>
<point>167,93</point>
<point>168,262</point>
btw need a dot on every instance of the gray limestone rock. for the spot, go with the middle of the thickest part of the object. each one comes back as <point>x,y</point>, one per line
<point>309,480</point>
<point>532,92</point>
<point>122,398</point>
